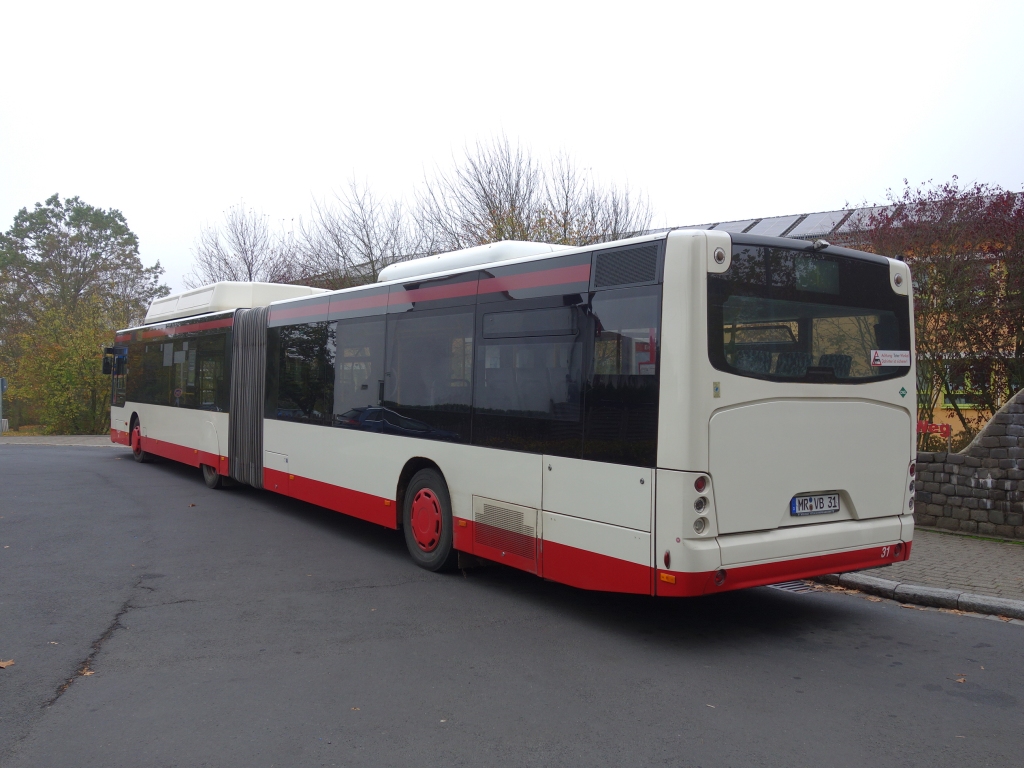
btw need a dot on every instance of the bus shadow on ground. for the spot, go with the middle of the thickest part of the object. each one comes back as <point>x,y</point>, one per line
<point>742,616</point>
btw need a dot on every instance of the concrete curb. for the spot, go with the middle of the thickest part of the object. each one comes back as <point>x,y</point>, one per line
<point>930,596</point>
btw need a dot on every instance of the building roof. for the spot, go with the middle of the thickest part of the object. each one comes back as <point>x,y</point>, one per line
<point>802,226</point>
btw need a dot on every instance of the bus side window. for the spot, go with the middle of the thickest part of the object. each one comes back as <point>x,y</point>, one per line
<point>358,372</point>
<point>298,387</point>
<point>429,374</point>
<point>621,395</point>
<point>529,378</point>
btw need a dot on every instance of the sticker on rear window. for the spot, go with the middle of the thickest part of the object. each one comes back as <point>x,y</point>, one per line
<point>880,357</point>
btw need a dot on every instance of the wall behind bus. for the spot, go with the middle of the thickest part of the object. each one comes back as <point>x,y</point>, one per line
<point>978,490</point>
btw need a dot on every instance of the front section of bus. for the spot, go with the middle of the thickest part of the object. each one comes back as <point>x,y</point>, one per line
<point>786,424</point>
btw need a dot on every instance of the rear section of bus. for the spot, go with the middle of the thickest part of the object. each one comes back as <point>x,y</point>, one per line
<point>786,426</point>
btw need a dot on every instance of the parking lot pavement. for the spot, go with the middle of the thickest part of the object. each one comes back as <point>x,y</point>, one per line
<point>154,622</point>
<point>965,563</point>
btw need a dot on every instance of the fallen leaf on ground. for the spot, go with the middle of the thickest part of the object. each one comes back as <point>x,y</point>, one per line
<point>88,672</point>
<point>711,705</point>
<point>875,599</point>
<point>191,505</point>
<point>961,679</point>
<point>355,709</point>
<point>6,664</point>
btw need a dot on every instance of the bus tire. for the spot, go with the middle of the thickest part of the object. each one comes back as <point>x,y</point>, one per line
<point>427,522</point>
<point>135,440</point>
<point>211,477</point>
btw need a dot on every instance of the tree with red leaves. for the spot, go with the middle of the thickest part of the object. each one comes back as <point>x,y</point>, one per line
<point>965,249</point>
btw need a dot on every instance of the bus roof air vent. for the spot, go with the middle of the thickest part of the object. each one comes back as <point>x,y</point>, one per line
<point>468,257</point>
<point>627,266</point>
<point>223,296</point>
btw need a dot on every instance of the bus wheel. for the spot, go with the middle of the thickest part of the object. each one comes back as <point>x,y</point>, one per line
<point>211,478</point>
<point>136,443</point>
<point>427,522</point>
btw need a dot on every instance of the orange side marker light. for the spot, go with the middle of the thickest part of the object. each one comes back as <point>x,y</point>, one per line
<point>387,502</point>
<point>462,523</point>
<point>668,578</point>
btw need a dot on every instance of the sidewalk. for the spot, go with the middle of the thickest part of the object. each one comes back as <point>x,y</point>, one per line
<point>90,440</point>
<point>963,563</point>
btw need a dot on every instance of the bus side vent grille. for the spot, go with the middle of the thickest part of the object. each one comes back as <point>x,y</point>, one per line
<point>638,264</point>
<point>505,529</point>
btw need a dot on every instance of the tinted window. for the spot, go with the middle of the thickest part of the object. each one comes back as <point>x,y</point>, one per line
<point>182,372</point>
<point>796,316</point>
<point>621,396</point>
<point>429,376</point>
<point>298,385</point>
<point>529,386</point>
<point>358,372</point>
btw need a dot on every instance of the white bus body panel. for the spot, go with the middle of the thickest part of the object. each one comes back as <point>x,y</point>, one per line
<point>205,431</point>
<point>762,442</point>
<point>371,463</point>
<point>607,493</point>
<point>763,454</point>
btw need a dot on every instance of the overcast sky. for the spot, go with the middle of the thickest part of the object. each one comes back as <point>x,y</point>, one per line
<point>172,113</point>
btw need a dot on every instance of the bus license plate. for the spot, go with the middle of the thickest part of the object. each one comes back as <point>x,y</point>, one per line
<point>817,504</point>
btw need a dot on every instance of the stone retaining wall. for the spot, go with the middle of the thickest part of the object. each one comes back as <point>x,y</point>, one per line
<point>978,490</point>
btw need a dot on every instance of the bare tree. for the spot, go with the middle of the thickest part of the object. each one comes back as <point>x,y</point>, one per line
<point>244,249</point>
<point>501,192</point>
<point>351,239</point>
<point>578,211</point>
<point>495,193</point>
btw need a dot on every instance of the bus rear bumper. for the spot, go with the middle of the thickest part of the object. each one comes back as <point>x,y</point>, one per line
<point>799,553</point>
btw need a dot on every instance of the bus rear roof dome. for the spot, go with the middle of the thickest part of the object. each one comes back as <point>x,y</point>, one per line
<point>223,296</point>
<point>468,257</point>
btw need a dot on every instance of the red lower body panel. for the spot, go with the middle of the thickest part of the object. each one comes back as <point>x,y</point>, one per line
<point>589,570</point>
<point>119,436</point>
<point>191,456</point>
<point>556,562</point>
<point>677,584</point>
<point>375,509</point>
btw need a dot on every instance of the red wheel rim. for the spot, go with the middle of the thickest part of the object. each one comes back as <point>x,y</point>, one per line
<point>137,440</point>
<point>425,518</point>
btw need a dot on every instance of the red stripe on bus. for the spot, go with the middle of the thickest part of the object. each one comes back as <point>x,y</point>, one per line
<point>226,322</point>
<point>562,275</point>
<point>375,509</point>
<point>119,436</point>
<point>358,302</point>
<point>590,570</point>
<point>123,337</point>
<point>433,293</point>
<point>317,310</point>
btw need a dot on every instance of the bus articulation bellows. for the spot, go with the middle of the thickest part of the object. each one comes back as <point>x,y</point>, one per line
<point>672,415</point>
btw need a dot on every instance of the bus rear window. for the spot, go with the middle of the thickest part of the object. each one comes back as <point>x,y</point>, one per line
<point>787,315</point>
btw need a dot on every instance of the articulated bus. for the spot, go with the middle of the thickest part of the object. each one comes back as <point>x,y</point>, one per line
<point>676,414</point>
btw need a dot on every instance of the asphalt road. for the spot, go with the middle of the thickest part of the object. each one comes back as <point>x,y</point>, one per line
<point>252,630</point>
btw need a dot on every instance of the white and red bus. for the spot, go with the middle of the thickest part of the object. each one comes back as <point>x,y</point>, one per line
<point>678,414</point>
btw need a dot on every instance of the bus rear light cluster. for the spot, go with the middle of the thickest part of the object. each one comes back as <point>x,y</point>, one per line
<point>913,468</point>
<point>910,504</point>
<point>700,505</point>
<point>911,487</point>
<point>898,550</point>
<point>700,484</point>
<point>667,558</point>
<point>700,525</point>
